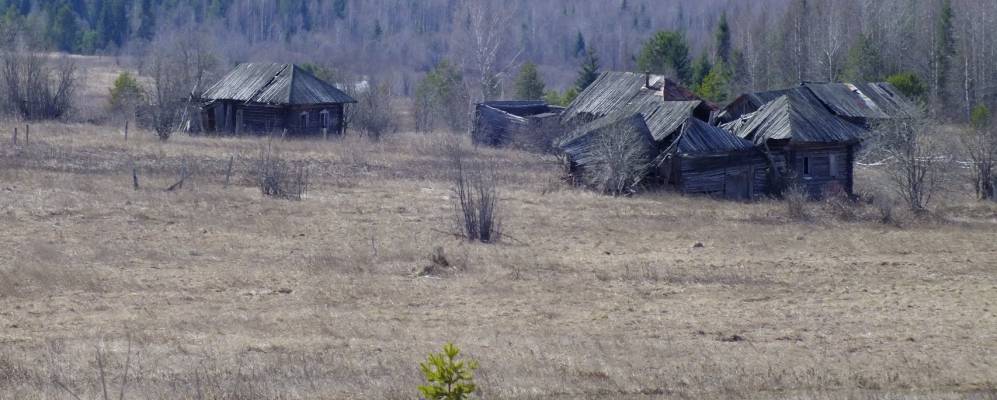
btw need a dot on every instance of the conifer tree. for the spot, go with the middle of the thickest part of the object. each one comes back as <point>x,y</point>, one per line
<point>589,71</point>
<point>529,85</point>
<point>666,53</point>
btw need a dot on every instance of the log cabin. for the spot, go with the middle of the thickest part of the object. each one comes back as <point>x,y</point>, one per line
<point>257,98</point>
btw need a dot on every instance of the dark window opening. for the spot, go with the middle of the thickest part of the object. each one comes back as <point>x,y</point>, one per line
<point>806,166</point>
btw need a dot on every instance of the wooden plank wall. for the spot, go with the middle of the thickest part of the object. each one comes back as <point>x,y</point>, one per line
<point>711,174</point>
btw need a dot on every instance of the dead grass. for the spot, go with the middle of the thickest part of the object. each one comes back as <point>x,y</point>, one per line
<point>228,294</point>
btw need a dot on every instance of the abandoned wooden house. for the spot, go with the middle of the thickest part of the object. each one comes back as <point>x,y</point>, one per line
<point>685,151</point>
<point>529,125</point>
<point>805,142</point>
<point>267,97</point>
<point>704,159</point>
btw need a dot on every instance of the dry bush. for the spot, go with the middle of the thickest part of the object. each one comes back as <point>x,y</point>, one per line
<point>839,204</point>
<point>618,162</point>
<point>35,87</point>
<point>372,114</point>
<point>795,196</point>
<point>475,198</point>
<point>276,178</point>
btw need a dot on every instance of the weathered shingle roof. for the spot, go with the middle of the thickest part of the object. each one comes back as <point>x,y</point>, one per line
<point>846,100</point>
<point>279,84</point>
<point>698,137</point>
<point>797,116</point>
<point>578,145</point>
<point>860,101</point>
<point>663,118</point>
<point>612,90</point>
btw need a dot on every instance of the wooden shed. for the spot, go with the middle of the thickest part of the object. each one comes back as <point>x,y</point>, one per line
<point>268,97</point>
<point>804,141</point>
<point>530,125</point>
<point>704,159</point>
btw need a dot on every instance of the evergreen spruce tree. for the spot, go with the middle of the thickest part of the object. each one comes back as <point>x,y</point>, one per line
<point>944,49</point>
<point>589,71</point>
<point>529,85</point>
<point>864,63</point>
<point>63,30</point>
<point>666,53</point>
<point>722,37</point>
<point>716,85</point>
<point>147,21</point>
<point>700,69</point>
<point>579,45</point>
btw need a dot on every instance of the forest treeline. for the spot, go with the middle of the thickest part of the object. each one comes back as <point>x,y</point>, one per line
<point>943,50</point>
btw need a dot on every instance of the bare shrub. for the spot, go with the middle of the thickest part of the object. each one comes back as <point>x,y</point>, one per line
<point>795,196</point>
<point>438,264</point>
<point>980,143</point>
<point>885,206</point>
<point>475,198</point>
<point>915,157</point>
<point>839,203</point>
<point>276,178</point>
<point>35,87</point>
<point>371,115</point>
<point>617,161</point>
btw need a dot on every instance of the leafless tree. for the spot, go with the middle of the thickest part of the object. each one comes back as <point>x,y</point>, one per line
<point>980,144</point>
<point>179,67</point>
<point>915,157</point>
<point>372,114</point>
<point>481,40</point>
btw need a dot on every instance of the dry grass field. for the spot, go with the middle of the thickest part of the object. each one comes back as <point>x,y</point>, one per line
<point>220,293</point>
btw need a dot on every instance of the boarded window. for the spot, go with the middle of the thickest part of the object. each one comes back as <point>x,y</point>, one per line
<point>833,162</point>
<point>303,122</point>
<point>326,121</point>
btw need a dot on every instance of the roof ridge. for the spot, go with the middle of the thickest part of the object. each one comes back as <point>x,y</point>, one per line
<point>268,84</point>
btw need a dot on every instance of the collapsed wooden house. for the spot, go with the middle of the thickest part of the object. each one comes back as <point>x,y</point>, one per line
<point>805,142</point>
<point>615,91</point>
<point>529,125</point>
<point>647,122</point>
<point>267,97</point>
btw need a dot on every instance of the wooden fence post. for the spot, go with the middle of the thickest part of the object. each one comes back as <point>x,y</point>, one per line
<point>126,130</point>
<point>228,172</point>
<point>27,132</point>
<point>134,177</point>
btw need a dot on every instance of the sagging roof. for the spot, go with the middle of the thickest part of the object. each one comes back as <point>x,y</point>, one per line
<point>799,117</point>
<point>663,118</point>
<point>522,108</point>
<point>698,137</point>
<point>860,101</point>
<point>276,84</point>
<point>612,90</point>
<point>578,145</point>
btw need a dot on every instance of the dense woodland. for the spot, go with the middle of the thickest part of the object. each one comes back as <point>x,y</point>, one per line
<point>944,51</point>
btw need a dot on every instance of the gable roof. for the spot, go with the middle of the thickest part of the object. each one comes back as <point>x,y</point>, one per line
<point>698,137</point>
<point>612,90</point>
<point>799,117</point>
<point>278,84</point>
